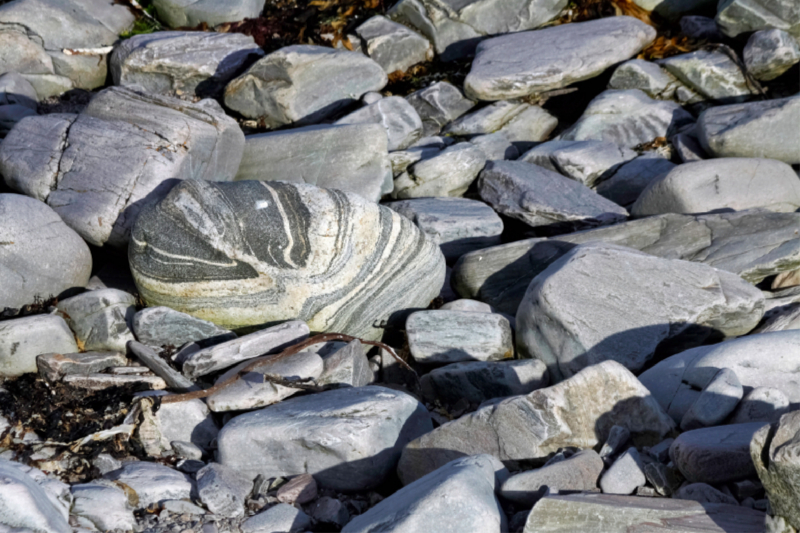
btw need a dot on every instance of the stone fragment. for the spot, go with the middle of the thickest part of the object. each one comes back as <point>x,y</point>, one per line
<point>23,339</point>
<point>487,119</point>
<point>182,14</point>
<point>496,146</point>
<point>448,173</point>
<point>710,73</point>
<point>774,454</point>
<point>187,450</point>
<point>618,436</point>
<point>298,490</point>
<point>452,336</point>
<point>393,46</point>
<point>780,319</point>
<point>579,472</point>
<point>770,53</point>
<point>31,501</point>
<point>222,490</point>
<point>148,357</point>
<point>162,326</point>
<point>762,404</point>
<point>664,478</point>
<point>100,319</point>
<point>54,366</point>
<point>280,517</point>
<point>153,483</point>
<point>703,493</point>
<point>717,400</point>
<point>105,381</point>
<point>625,475</point>
<point>660,452</point>
<point>331,511</point>
<point>399,118</point>
<point>588,162</point>
<point>104,505</point>
<point>735,17</point>
<point>438,105</point>
<point>188,421</point>
<point>347,366</point>
<point>646,76</point>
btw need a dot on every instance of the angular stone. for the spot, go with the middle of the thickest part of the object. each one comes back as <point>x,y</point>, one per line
<point>735,17</point>
<point>710,73</point>
<point>299,490</point>
<point>333,259</point>
<point>223,490</point>
<point>40,256</point>
<point>54,366</point>
<point>23,339</point>
<point>762,404</point>
<point>162,326</point>
<point>302,84</point>
<point>448,173</point>
<point>627,181</point>
<point>578,412</point>
<point>399,118</point>
<point>774,453</point>
<point>152,360</point>
<point>187,421</point>
<point>496,146</point>
<point>453,336</point>
<point>178,62</point>
<point>105,381</point>
<point>104,505</point>
<point>488,119</point>
<point>579,472</point>
<point>16,90</point>
<point>717,454</point>
<point>559,56</point>
<point>351,158</point>
<point>625,475</point>
<point>618,436</point>
<point>10,115</point>
<point>347,366</point>
<point>331,511</point>
<point>770,53</point>
<point>703,493</point>
<point>438,105</point>
<point>153,483</point>
<point>280,517</point>
<point>780,319</point>
<point>393,46</point>
<point>28,503</point>
<point>646,76</point>
<point>100,319</point>
<point>717,400</point>
<point>588,162</point>
<point>660,305</point>
<point>182,14</point>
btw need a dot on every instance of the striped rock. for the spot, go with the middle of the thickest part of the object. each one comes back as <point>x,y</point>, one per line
<point>251,253</point>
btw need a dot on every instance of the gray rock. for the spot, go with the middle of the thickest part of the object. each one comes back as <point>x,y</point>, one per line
<point>459,496</point>
<point>625,475</point>
<point>578,412</point>
<point>495,146</point>
<point>161,326</point>
<point>699,27</point>
<point>187,421</point>
<point>281,517</point>
<point>400,120</point>
<point>457,225</point>
<point>735,17</point>
<point>29,503</point>
<point>780,319</point>
<point>41,256</point>
<point>465,304</point>
<point>618,436</point>
<point>393,46</point>
<point>453,336</point>
<point>710,73</point>
<point>20,54</point>
<point>180,14</point>
<point>100,319</point>
<point>178,62</point>
<point>363,248</point>
<point>626,182</point>
<point>299,490</point>
<point>488,119</point>
<point>329,510</point>
<point>770,53</point>
<point>226,354</point>
<point>153,361</point>
<point>10,115</point>
<point>455,28</point>
<point>22,339</point>
<point>560,55</point>
<point>588,162</point>
<point>687,147</point>
<point>608,513</point>
<point>479,381</point>
<point>660,452</point>
<point>349,439</point>
<point>16,90</point>
<point>152,482</point>
<point>579,472</point>
<point>302,84</point>
<point>532,125</point>
<point>448,173</point>
<point>703,493</point>
<point>717,454</point>
<point>223,490</point>
<point>351,158</point>
<point>646,76</point>
<point>774,453</point>
<point>54,366</point>
<point>403,159</point>
<point>756,129</point>
<point>347,366</point>
<point>627,118</point>
<point>104,505</point>
<point>765,404</point>
<point>438,105</point>
<point>717,400</point>
<point>540,197</point>
<point>105,381</point>
<point>187,450</point>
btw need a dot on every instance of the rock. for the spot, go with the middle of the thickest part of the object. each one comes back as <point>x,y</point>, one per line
<point>22,339</point>
<point>703,493</point>
<point>625,475</point>
<point>351,158</point>
<point>754,129</point>
<point>162,326</point>
<point>618,436</point>
<point>762,404</point>
<point>393,46</point>
<point>302,84</point>
<point>400,120</point>
<point>570,324</point>
<point>563,55</point>
<point>329,510</point>
<point>314,282</point>
<point>105,381</point>
<point>223,490</point>
<point>735,17</point>
<point>187,450</point>
<point>786,317</point>
<point>453,336</point>
<point>627,118</point>
<point>532,125</point>
<point>448,173</point>
<point>717,400</point>
<point>179,14</point>
<point>153,361</point>
<point>104,505</point>
<point>774,454</point>
<point>438,105</point>
<point>455,28</point>
<point>10,115</point>
<point>533,426</point>
<point>786,279</point>
<point>488,119</point>
<point>542,198</point>
<point>579,472</point>
<point>478,381</point>
<point>646,76</point>
<point>31,501</point>
<point>188,421</point>
<point>715,455</point>
<point>710,73</point>
<point>495,146</point>
<point>280,517</point>
<point>457,225</point>
<point>347,366</point>
<point>54,366</point>
<point>688,148</point>
<point>465,304</point>
<point>100,319</point>
<point>459,496</point>
<point>41,257</point>
<point>660,452</point>
<point>608,513</point>
<point>299,490</point>
<point>701,28</point>
<point>152,482</point>
<point>349,439</point>
<point>16,90</point>
<point>627,181</point>
<point>179,62</point>
<point>770,53</point>
<point>588,162</point>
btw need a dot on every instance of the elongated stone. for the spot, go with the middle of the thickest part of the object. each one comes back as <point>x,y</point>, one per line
<point>578,472</point>
<point>717,454</point>
<point>160,326</point>
<point>277,251</point>
<point>392,45</point>
<point>451,336</point>
<point>711,74</point>
<point>399,118</point>
<point>448,173</point>
<point>588,162</point>
<point>54,366</point>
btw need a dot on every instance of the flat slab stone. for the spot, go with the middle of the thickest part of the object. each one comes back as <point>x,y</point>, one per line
<point>161,326</point>
<point>588,162</point>
<point>442,336</point>
<point>280,517</point>
<point>560,55</point>
<point>54,366</point>
<point>578,472</point>
<point>392,45</point>
<point>103,505</point>
<point>23,339</point>
<point>105,381</point>
<point>153,483</point>
<point>710,73</point>
<point>626,182</point>
<point>181,14</point>
<point>447,173</point>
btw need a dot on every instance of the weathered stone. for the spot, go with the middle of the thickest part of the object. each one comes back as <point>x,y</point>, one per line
<point>625,475</point>
<point>152,360</point>
<point>703,493</point>
<point>331,511</point>
<point>152,482</point>
<point>299,490</point>
<point>182,14</point>
<point>161,326</point>
<point>710,73</point>
<point>346,366</point>
<point>280,517</point>
<point>579,472</point>
<point>10,115</point>
<point>22,339</point>
<point>774,453</point>
<point>780,319</point>
<point>105,381</point>
<point>448,173</point>
<point>187,421</point>
<point>100,319</point>
<point>588,162</point>
<point>559,56</point>
<point>393,46</point>
<point>438,105</point>
<point>770,53</point>
<point>54,366</point>
<point>717,400</point>
<point>687,147</point>
<point>488,119</point>
<point>646,76</point>
<point>716,454</point>
<point>496,146</point>
<point>452,336</point>
<point>399,118</point>
<point>762,404</point>
<point>735,17</point>
<point>223,490</point>
<point>104,505</point>
<point>626,182</point>
<point>29,503</point>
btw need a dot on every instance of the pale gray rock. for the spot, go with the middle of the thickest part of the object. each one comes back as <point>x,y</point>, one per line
<point>710,73</point>
<point>457,225</point>
<point>105,381</point>
<point>393,46</point>
<point>22,339</point>
<point>780,319</point>
<point>540,197</point>
<point>626,182</point>
<point>646,76</point>
<point>770,53</point>
<point>187,421</point>
<point>438,105</point>
<point>40,256</point>
<point>715,402</point>
<point>478,381</point>
<point>448,173</point>
<point>302,84</point>
<point>627,118</point>
<point>100,319</point>
<point>765,129</point>
<point>488,119</point>
<point>496,146</point>
<point>179,62</point>
<point>588,162</point>
<point>226,354</point>
<point>459,496</point>
<point>529,127</point>
<point>625,475</point>
<point>187,450</point>
<point>223,490</point>
<point>465,304</point>
<point>153,483</point>
<point>717,454</point>
<point>579,472</point>
<point>161,326</point>
<point>774,453</point>
<point>180,14</point>
<point>579,412</point>
<point>703,493</point>
<point>765,404</point>
<point>351,158</point>
<point>559,56</point>
<point>454,336</point>
<point>21,55</point>
<point>399,118</point>
<point>346,366</point>
<point>348,439</point>
<point>337,261</point>
<point>30,503</point>
<point>281,517</point>
<point>54,366</point>
<point>699,27</point>
<point>735,17</point>
<point>403,159</point>
<point>104,505</point>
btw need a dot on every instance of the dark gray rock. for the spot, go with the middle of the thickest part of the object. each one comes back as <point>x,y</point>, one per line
<point>496,146</point>
<point>160,326</point>
<point>579,472</point>
<point>699,27</point>
<point>717,400</point>
<point>393,46</point>
<point>703,493</point>
<point>438,105</point>
<point>10,115</point>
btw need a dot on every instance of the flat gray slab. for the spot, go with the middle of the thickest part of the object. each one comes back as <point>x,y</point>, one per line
<point>710,73</point>
<point>105,506</point>
<point>447,173</point>
<point>578,472</point>
<point>160,326</point>
<point>441,336</point>
<point>153,483</point>
<point>589,162</point>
